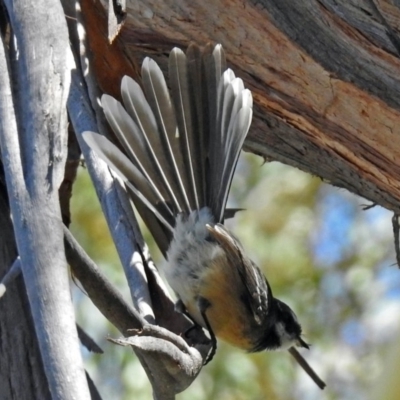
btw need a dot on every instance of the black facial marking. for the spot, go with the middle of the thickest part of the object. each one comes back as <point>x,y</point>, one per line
<point>268,337</point>
<point>287,317</point>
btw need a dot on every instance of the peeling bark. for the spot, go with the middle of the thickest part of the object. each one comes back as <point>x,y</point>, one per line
<point>324,75</point>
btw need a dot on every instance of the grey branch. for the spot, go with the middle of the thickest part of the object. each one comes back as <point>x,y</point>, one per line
<point>11,274</point>
<point>33,155</point>
<point>113,199</point>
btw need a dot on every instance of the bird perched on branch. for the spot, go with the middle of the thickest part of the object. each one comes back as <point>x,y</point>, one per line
<point>181,149</point>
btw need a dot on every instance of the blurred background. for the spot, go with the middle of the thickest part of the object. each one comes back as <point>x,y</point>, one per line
<point>330,260</point>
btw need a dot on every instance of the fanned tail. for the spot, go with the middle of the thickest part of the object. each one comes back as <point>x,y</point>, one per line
<point>181,146</point>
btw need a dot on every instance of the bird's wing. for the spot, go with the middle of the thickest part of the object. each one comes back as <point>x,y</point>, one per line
<point>258,292</point>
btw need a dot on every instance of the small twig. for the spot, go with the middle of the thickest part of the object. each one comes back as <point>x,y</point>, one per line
<point>94,393</point>
<point>11,274</point>
<point>88,342</point>
<point>366,207</point>
<point>396,228</point>
<point>304,364</point>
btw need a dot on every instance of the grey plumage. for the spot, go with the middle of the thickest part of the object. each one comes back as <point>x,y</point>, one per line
<point>182,144</point>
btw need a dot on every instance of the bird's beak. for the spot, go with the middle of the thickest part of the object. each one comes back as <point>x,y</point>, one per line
<point>302,343</point>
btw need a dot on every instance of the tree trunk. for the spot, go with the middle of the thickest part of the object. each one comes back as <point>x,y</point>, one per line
<point>21,370</point>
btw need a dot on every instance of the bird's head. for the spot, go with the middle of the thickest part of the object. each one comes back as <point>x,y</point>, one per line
<point>287,328</point>
<point>281,329</point>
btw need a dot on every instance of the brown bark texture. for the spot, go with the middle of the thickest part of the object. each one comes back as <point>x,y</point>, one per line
<point>325,77</point>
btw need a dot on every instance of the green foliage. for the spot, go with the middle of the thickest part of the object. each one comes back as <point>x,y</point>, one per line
<point>333,287</point>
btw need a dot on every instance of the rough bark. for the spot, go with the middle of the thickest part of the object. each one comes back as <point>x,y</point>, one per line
<point>324,75</point>
<point>33,132</point>
<point>18,340</point>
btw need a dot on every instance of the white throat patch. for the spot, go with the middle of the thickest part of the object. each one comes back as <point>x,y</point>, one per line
<point>287,341</point>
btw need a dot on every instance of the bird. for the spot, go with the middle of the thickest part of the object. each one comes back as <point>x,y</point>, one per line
<point>179,145</point>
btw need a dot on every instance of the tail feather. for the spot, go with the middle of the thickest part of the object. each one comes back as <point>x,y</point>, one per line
<point>227,77</point>
<point>212,67</point>
<point>198,101</point>
<point>161,234</point>
<point>179,81</point>
<point>158,97</point>
<point>134,143</point>
<point>148,139</point>
<point>232,105</point>
<point>131,175</point>
<point>237,135</point>
<point>183,148</point>
<point>219,61</point>
<point>234,117</point>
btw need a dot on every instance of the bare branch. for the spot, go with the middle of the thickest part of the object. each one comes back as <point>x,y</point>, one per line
<point>19,380</point>
<point>175,363</point>
<point>106,298</point>
<point>113,199</point>
<point>12,273</point>
<point>33,156</point>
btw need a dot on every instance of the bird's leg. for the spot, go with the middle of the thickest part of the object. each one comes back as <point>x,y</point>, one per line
<point>203,305</point>
<point>180,307</point>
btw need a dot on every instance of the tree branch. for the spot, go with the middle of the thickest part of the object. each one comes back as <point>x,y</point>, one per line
<point>33,155</point>
<point>113,199</point>
<point>106,298</point>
